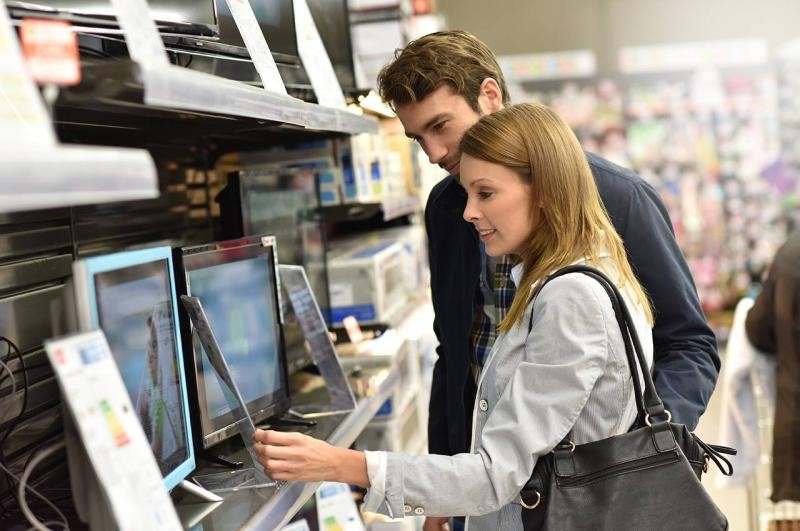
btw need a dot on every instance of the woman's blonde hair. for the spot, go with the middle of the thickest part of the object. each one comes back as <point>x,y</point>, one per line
<point>536,143</point>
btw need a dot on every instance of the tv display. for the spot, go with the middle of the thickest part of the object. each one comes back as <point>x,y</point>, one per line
<point>276,19</point>
<point>179,16</point>
<point>131,297</point>
<point>237,284</point>
<point>333,23</point>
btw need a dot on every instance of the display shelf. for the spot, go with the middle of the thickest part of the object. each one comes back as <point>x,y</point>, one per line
<point>215,104</point>
<point>273,506</point>
<point>75,175</point>
<point>389,209</point>
<point>280,509</point>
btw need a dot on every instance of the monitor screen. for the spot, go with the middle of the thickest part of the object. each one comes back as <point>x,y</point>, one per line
<point>333,23</point>
<point>276,18</point>
<point>237,285</point>
<point>132,299</point>
<point>200,13</point>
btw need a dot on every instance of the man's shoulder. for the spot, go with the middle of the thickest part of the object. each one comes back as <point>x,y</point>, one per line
<point>609,174</point>
<point>444,190</point>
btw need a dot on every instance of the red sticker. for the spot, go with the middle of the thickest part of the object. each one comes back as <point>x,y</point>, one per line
<point>51,51</point>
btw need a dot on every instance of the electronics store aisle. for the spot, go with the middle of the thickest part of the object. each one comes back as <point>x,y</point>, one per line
<point>732,500</point>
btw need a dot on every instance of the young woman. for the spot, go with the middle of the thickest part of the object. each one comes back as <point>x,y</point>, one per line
<point>558,364</point>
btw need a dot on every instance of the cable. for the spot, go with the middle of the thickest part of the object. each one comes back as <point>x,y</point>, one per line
<point>13,425</point>
<point>23,502</point>
<point>51,522</point>
<point>18,419</point>
<point>11,375</point>
<point>22,481</point>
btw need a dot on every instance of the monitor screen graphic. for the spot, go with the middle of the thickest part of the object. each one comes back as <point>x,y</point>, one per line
<point>239,316</point>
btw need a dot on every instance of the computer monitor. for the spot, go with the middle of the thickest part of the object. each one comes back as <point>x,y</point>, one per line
<point>332,19</point>
<point>194,17</point>
<point>237,284</point>
<point>131,297</point>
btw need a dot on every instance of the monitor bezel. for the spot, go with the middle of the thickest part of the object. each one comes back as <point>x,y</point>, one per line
<point>89,319</point>
<point>261,408</point>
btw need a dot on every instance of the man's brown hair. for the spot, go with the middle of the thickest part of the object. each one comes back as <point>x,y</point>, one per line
<point>453,57</point>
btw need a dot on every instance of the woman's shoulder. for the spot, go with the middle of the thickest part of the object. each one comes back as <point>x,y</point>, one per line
<point>573,293</point>
<point>572,286</point>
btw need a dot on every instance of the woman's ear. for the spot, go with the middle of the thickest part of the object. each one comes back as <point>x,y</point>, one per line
<point>490,97</point>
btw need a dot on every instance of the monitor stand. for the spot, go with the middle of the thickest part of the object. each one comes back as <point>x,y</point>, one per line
<point>279,421</point>
<point>221,460</point>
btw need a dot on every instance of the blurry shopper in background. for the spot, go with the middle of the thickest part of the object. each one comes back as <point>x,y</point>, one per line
<point>559,364</point>
<point>440,85</point>
<point>773,325</point>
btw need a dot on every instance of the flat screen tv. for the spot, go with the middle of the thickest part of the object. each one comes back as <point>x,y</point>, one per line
<point>194,17</point>
<point>276,19</point>
<point>333,23</point>
<point>237,284</point>
<point>131,297</point>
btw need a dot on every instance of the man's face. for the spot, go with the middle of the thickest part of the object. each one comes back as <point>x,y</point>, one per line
<point>438,122</point>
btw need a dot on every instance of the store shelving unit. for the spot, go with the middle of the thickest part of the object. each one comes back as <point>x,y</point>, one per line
<point>271,507</point>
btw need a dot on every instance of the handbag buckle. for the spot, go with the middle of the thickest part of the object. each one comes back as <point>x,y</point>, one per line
<point>534,505</point>
<point>647,417</point>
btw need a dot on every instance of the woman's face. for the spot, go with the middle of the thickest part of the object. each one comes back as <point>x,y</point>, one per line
<point>498,205</point>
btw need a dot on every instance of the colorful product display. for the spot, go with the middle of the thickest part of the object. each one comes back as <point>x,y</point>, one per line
<point>719,148</point>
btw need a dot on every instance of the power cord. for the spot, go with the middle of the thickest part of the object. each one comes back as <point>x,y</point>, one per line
<point>13,425</point>
<point>23,484</point>
<point>11,375</point>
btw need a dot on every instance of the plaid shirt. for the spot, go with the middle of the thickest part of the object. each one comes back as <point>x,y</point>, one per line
<point>491,306</point>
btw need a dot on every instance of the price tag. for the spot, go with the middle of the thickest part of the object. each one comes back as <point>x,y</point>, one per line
<point>116,445</point>
<point>23,117</point>
<point>51,50</point>
<point>144,42</point>
<point>256,45</point>
<point>315,58</point>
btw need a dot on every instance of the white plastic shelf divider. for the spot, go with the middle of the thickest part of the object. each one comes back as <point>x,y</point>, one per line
<point>68,175</point>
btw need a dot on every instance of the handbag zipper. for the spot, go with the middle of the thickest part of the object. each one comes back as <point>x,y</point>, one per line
<point>648,462</point>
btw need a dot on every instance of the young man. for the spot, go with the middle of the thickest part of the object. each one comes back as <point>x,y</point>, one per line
<point>440,85</point>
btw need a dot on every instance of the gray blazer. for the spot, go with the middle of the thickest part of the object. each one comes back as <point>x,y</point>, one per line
<point>569,373</point>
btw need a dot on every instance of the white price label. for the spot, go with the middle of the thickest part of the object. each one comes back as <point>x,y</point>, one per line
<point>315,58</point>
<point>144,42</point>
<point>256,45</point>
<point>23,118</point>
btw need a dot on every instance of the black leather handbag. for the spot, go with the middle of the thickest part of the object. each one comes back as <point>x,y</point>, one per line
<point>646,479</point>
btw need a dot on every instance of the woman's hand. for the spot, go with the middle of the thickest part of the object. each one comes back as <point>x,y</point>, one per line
<point>298,457</point>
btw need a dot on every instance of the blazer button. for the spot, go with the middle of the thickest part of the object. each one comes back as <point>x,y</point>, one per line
<point>407,508</point>
<point>483,405</point>
<point>419,511</point>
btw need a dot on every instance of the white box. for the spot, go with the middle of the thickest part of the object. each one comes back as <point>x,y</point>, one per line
<point>403,433</point>
<point>367,281</point>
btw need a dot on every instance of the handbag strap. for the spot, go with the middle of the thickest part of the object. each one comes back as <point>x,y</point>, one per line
<point>648,403</point>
